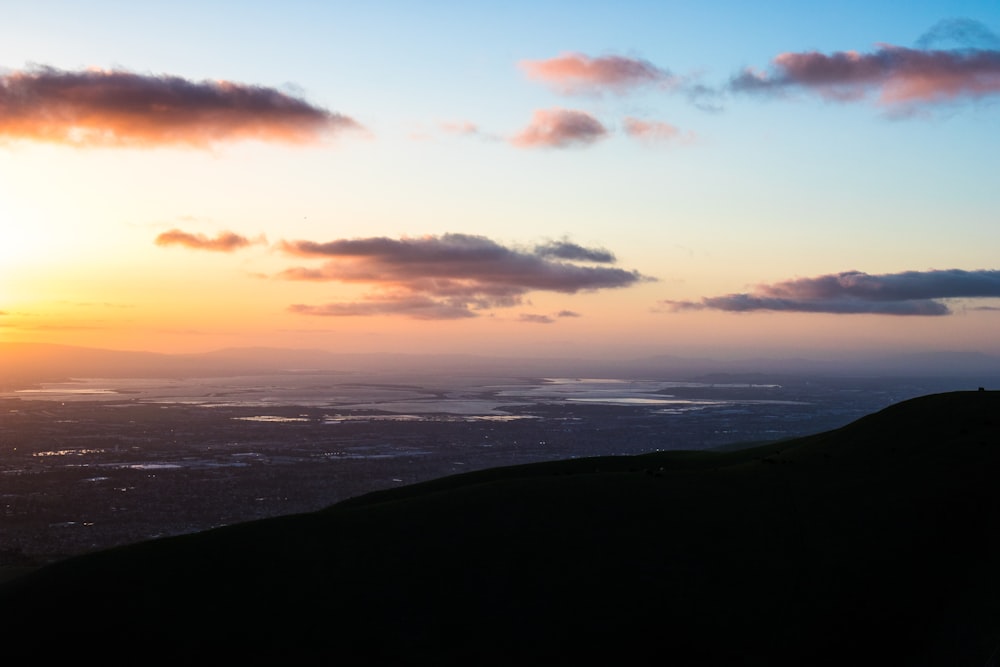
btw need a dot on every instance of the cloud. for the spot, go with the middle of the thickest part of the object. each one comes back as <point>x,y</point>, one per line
<point>964,32</point>
<point>464,127</point>
<point>907,293</point>
<point>900,78</point>
<point>450,276</point>
<point>223,242</point>
<point>119,108</point>
<point>567,250</point>
<point>417,307</point>
<point>573,73</point>
<point>706,98</point>
<point>21,326</point>
<point>652,131</point>
<point>560,128</point>
<point>535,319</point>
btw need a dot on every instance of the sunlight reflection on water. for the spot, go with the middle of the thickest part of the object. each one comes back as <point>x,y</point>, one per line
<point>388,397</point>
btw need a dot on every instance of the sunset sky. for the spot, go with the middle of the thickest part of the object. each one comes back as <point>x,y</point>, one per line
<point>539,178</point>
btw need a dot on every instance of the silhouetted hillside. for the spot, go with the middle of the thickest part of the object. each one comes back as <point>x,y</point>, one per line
<point>872,544</point>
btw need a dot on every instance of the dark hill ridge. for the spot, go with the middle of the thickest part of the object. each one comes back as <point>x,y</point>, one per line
<point>876,543</point>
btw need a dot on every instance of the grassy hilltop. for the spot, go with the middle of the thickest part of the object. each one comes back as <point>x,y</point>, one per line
<point>876,543</point>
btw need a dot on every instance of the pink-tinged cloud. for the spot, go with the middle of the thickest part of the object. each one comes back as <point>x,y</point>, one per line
<point>645,129</point>
<point>899,78</point>
<point>853,292</point>
<point>119,108</point>
<point>460,127</point>
<point>656,132</point>
<point>560,128</point>
<point>450,276</point>
<point>223,242</point>
<point>577,73</point>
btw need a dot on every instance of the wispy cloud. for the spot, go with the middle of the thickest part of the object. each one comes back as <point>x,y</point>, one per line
<point>655,132</point>
<point>464,127</point>
<point>560,128</point>
<point>533,318</point>
<point>450,276</point>
<point>899,78</point>
<point>538,318</point>
<point>414,306</point>
<point>118,108</point>
<point>907,293</point>
<point>223,242</point>
<point>966,33</point>
<point>574,73</point>
<point>467,128</point>
<point>22,325</point>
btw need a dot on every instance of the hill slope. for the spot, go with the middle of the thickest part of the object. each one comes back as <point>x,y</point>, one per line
<point>875,543</point>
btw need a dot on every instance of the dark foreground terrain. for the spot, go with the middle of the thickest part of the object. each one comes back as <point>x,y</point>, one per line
<point>876,543</point>
<point>111,463</point>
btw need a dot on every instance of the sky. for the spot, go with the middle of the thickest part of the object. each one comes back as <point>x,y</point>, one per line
<point>573,179</point>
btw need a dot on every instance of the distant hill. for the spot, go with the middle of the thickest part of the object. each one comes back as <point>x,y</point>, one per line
<point>872,544</point>
<point>27,364</point>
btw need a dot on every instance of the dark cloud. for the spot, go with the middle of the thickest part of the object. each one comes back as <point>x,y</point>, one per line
<point>900,78</point>
<point>223,242</point>
<point>452,275</point>
<point>417,307</point>
<point>578,73</point>
<point>567,313</point>
<point>846,305</point>
<point>907,293</point>
<point>120,108</point>
<point>566,250</point>
<point>560,128</point>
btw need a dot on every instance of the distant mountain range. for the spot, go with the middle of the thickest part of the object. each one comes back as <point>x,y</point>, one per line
<point>25,364</point>
<point>872,544</point>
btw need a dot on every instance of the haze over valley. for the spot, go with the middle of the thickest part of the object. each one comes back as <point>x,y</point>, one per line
<point>90,462</point>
